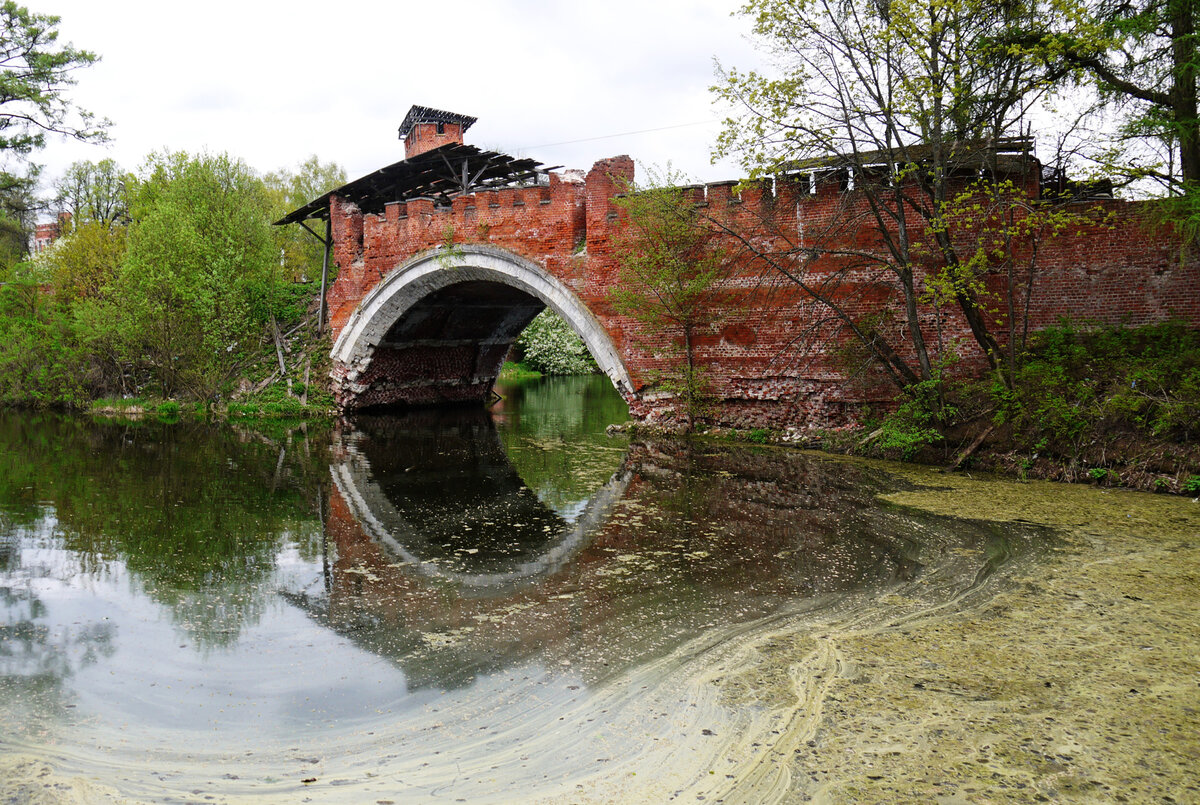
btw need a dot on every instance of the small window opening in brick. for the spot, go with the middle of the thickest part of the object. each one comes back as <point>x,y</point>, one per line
<point>441,128</point>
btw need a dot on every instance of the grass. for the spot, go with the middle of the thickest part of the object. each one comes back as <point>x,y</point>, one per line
<point>517,371</point>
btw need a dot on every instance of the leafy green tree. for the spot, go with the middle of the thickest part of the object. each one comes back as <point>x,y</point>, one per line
<point>899,102</point>
<point>1142,57</point>
<point>196,281</point>
<point>673,268</point>
<point>41,363</point>
<point>18,219</point>
<point>36,72</point>
<point>302,253</point>
<point>94,192</point>
<point>550,346</point>
<point>14,240</point>
<point>83,263</point>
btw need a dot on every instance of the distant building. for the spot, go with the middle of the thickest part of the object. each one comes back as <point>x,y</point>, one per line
<point>47,233</point>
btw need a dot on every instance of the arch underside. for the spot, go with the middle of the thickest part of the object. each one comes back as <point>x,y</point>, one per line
<point>437,329</point>
<point>449,346</point>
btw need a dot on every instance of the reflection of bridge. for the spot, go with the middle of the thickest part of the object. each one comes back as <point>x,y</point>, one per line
<point>461,513</point>
<point>444,562</point>
<point>444,257</point>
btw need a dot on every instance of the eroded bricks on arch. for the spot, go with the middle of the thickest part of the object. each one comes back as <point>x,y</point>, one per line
<point>764,358</point>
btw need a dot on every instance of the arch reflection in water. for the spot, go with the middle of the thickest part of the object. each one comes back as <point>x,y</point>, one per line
<point>437,491</point>
<point>447,563</point>
<point>438,544</point>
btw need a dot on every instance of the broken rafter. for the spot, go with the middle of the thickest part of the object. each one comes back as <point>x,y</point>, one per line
<point>440,174</point>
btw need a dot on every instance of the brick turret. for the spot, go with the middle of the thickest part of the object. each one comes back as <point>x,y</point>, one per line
<point>425,129</point>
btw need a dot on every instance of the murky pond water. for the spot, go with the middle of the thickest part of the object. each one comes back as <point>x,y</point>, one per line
<point>458,605</point>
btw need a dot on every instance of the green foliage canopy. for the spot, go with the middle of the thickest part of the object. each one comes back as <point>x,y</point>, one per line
<point>301,253</point>
<point>95,192</point>
<point>674,267</point>
<point>83,264</point>
<point>551,347</point>
<point>199,271</point>
<point>36,72</point>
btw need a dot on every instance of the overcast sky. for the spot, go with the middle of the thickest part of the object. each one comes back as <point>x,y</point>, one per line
<point>272,83</point>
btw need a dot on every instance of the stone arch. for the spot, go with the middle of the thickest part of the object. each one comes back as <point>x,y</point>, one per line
<point>400,346</point>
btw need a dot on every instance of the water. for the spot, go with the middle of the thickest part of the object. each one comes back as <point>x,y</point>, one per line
<point>486,606</point>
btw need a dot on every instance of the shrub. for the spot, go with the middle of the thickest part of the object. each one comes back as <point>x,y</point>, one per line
<point>41,362</point>
<point>1076,383</point>
<point>553,348</point>
<point>916,423</point>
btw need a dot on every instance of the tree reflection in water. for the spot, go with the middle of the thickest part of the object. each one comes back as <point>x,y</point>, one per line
<point>325,585</point>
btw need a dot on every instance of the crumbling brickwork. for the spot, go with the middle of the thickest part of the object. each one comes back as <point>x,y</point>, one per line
<point>772,357</point>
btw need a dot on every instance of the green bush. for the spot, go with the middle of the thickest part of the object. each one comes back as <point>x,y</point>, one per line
<point>916,423</point>
<point>42,364</point>
<point>1077,383</point>
<point>551,347</point>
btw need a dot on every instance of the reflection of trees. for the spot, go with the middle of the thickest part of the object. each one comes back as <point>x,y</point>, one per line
<point>35,658</point>
<point>30,649</point>
<point>194,512</point>
<point>555,437</point>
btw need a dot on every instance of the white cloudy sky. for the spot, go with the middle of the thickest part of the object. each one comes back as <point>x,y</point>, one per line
<point>273,82</point>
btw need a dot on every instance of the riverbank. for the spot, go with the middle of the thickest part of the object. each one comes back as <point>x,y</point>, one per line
<point>1113,407</point>
<point>272,397</point>
<point>1073,681</point>
<point>1129,460</point>
<point>275,405</point>
<point>1152,466</point>
<point>1068,675</point>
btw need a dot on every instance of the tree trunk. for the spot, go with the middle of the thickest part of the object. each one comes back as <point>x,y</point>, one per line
<point>1183,89</point>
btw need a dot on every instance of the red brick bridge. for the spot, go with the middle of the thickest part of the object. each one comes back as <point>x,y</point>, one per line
<point>445,257</point>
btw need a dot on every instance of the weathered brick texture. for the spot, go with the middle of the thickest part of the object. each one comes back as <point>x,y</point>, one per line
<point>772,356</point>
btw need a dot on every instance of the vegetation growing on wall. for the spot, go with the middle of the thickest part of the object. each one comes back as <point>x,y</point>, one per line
<point>674,267</point>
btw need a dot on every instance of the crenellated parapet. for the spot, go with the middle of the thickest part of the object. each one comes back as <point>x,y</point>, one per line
<point>544,222</point>
<point>433,287</point>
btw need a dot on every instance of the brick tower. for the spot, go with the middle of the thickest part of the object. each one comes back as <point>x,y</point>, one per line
<point>425,129</point>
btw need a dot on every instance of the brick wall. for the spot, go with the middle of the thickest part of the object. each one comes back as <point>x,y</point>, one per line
<point>428,136</point>
<point>772,356</point>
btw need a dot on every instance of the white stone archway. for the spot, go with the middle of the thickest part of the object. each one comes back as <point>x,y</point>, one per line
<point>440,268</point>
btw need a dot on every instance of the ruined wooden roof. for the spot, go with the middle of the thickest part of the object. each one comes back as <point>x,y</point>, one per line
<point>1003,153</point>
<point>440,174</point>
<point>424,114</point>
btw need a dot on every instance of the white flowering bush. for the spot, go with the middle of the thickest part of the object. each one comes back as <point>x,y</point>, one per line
<point>553,348</point>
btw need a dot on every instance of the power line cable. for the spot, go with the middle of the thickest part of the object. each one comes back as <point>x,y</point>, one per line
<point>622,134</point>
